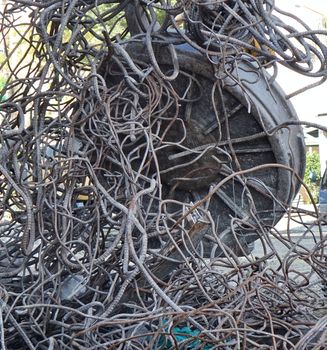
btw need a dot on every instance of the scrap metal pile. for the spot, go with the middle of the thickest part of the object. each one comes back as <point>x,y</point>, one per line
<point>146,157</point>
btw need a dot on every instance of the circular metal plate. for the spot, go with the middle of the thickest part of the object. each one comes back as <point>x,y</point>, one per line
<point>221,128</point>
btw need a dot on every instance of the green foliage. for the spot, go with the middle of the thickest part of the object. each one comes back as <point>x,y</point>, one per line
<point>312,167</point>
<point>160,16</point>
<point>3,82</point>
<point>324,22</point>
<point>114,25</point>
<point>2,57</point>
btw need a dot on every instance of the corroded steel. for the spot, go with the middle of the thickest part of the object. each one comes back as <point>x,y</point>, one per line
<point>145,153</point>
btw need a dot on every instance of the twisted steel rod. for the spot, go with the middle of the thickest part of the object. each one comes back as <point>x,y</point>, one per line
<point>108,193</point>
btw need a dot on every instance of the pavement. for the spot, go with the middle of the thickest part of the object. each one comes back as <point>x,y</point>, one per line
<point>297,223</point>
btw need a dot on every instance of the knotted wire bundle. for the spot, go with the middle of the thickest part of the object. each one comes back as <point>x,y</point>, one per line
<point>138,169</point>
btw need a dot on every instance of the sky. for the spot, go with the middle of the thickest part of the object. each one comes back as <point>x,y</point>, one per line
<point>313,102</point>
<point>315,5</point>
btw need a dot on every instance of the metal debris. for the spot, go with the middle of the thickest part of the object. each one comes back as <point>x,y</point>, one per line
<point>146,157</point>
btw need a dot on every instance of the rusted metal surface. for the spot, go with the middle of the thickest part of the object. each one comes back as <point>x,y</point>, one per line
<point>141,161</point>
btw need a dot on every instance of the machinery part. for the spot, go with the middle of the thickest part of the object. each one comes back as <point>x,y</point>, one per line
<point>222,127</point>
<point>201,17</point>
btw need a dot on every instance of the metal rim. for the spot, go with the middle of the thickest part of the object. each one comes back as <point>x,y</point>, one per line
<point>253,109</point>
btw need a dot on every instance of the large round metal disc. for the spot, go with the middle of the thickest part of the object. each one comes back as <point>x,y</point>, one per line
<point>222,129</point>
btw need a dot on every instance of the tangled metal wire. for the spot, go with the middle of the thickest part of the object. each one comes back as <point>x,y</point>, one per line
<point>144,149</point>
